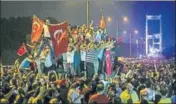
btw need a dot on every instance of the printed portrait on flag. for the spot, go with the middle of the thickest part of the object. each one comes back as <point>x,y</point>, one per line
<point>37,29</point>
<point>102,24</point>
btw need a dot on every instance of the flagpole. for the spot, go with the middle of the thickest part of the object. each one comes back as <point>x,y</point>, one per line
<point>87,12</point>
<point>26,49</point>
<point>87,21</point>
<point>117,30</point>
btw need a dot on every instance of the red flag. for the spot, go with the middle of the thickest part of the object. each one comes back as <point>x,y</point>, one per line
<point>119,39</point>
<point>59,37</point>
<point>22,50</point>
<point>102,22</point>
<point>37,28</point>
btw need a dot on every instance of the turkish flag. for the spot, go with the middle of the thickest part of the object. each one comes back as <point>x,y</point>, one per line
<point>102,22</point>
<point>119,40</point>
<point>59,37</point>
<point>37,28</point>
<point>22,50</point>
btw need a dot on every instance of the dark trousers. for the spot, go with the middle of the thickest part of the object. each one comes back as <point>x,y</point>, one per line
<point>47,69</point>
<point>82,66</point>
<point>77,69</point>
<point>89,69</point>
<point>101,67</point>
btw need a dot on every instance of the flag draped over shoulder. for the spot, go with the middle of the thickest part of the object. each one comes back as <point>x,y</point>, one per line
<point>59,37</point>
<point>108,63</point>
<point>22,50</point>
<point>119,39</point>
<point>37,29</point>
<point>102,24</point>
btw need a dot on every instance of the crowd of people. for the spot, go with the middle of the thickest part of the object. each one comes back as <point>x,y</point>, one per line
<point>88,48</point>
<point>138,82</point>
<point>88,72</point>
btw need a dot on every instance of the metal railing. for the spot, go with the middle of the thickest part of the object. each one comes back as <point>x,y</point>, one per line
<point>7,66</point>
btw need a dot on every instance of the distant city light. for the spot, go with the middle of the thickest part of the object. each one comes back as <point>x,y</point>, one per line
<point>124,32</point>
<point>136,31</point>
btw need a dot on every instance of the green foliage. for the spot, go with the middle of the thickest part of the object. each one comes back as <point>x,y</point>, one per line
<point>13,33</point>
<point>9,57</point>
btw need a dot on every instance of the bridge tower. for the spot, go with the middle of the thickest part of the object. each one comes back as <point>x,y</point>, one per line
<point>153,41</point>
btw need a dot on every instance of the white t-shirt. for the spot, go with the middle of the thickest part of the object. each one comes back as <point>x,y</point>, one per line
<point>48,61</point>
<point>83,55</point>
<point>75,98</point>
<point>64,55</point>
<point>38,65</point>
<point>70,57</point>
<point>46,31</point>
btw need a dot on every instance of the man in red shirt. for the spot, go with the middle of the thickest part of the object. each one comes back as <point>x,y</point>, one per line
<point>99,98</point>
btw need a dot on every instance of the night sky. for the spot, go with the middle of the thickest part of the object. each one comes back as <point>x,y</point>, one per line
<point>75,13</point>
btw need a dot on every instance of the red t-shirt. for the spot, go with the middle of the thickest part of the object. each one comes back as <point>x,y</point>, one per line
<point>98,98</point>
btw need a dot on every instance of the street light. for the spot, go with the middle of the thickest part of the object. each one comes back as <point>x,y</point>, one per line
<point>109,19</point>
<point>141,46</point>
<point>135,32</point>
<point>124,32</point>
<point>125,19</point>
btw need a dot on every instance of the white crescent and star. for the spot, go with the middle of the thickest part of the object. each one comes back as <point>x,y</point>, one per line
<point>57,32</point>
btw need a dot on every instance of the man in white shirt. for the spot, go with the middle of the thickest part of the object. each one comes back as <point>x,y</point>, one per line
<point>64,56</point>
<point>70,57</point>
<point>46,30</point>
<point>45,59</point>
